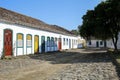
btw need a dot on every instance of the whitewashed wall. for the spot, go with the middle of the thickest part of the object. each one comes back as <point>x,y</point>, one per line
<point>118,44</point>
<point>110,43</point>
<point>93,43</point>
<point>72,42</point>
<point>25,30</point>
<point>81,42</point>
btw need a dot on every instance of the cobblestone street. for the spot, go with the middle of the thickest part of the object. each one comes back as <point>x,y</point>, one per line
<point>78,64</point>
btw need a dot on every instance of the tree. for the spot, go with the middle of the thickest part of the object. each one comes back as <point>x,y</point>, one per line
<point>103,22</point>
<point>107,17</point>
<point>75,32</point>
<point>86,29</point>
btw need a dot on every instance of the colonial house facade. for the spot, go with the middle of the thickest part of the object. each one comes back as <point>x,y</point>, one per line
<point>22,35</point>
<point>101,44</point>
<point>96,43</point>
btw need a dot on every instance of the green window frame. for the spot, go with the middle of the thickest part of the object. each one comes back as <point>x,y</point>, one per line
<point>52,41</point>
<point>67,41</point>
<point>20,40</point>
<point>48,41</point>
<point>29,40</point>
<point>55,42</point>
<point>63,41</point>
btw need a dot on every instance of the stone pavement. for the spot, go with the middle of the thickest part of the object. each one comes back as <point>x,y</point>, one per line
<point>78,64</point>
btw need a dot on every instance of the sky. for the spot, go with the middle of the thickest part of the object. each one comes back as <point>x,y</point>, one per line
<point>65,13</point>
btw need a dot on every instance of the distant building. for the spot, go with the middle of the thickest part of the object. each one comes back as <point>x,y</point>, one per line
<point>110,43</point>
<point>96,43</point>
<point>81,42</point>
<point>102,44</point>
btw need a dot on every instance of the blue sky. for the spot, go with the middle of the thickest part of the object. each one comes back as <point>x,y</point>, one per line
<point>65,13</point>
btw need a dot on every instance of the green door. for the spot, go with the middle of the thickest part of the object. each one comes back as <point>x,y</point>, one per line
<point>43,44</point>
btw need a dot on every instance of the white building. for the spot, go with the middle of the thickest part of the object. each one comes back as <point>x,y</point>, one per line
<point>21,35</point>
<point>81,42</point>
<point>110,43</point>
<point>102,44</point>
<point>96,43</point>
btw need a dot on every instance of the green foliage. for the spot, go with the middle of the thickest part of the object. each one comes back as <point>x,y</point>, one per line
<point>86,30</point>
<point>103,22</point>
<point>75,32</point>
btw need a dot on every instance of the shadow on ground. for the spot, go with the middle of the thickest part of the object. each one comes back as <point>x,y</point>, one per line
<point>74,56</point>
<point>77,56</point>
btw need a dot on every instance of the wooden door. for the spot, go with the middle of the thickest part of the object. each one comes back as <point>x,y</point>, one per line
<point>7,42</point>
<point>36,44</point>
<point>43,43</point>
<point>59,44</point>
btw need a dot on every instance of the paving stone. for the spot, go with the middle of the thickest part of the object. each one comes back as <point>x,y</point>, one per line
<point>100,68</point>
<point>97,66</point>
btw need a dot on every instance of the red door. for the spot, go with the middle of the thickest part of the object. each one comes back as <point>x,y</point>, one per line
<point>59,44</point>
<point>7,42</point>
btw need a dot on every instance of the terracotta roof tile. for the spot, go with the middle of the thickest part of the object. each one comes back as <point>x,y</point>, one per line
<point>16,18</point>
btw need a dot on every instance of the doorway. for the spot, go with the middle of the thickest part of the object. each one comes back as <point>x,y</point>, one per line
<point>8,42</point>
<point>43,43</point>
<point>36,44</point>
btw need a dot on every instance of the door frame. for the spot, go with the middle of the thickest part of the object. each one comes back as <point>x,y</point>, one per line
<point>42,50</point>
<point>60,44</point>
<point>17,43</point>
<point>31,43</point>
<point>4,41</point>
<point>38,43</point>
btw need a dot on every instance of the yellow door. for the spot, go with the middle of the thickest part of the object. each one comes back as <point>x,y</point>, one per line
<point>36,44</point>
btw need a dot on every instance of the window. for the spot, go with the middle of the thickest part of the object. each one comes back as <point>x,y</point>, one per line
<point>63,41</point>
<point>66,41</point>
<point>29,40</point>
<point>72,42</point>
<point>52,41</point>
<point>101,43</point>
<point>56,42</point>
<point>20,40</point>
<point>48,41</point>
